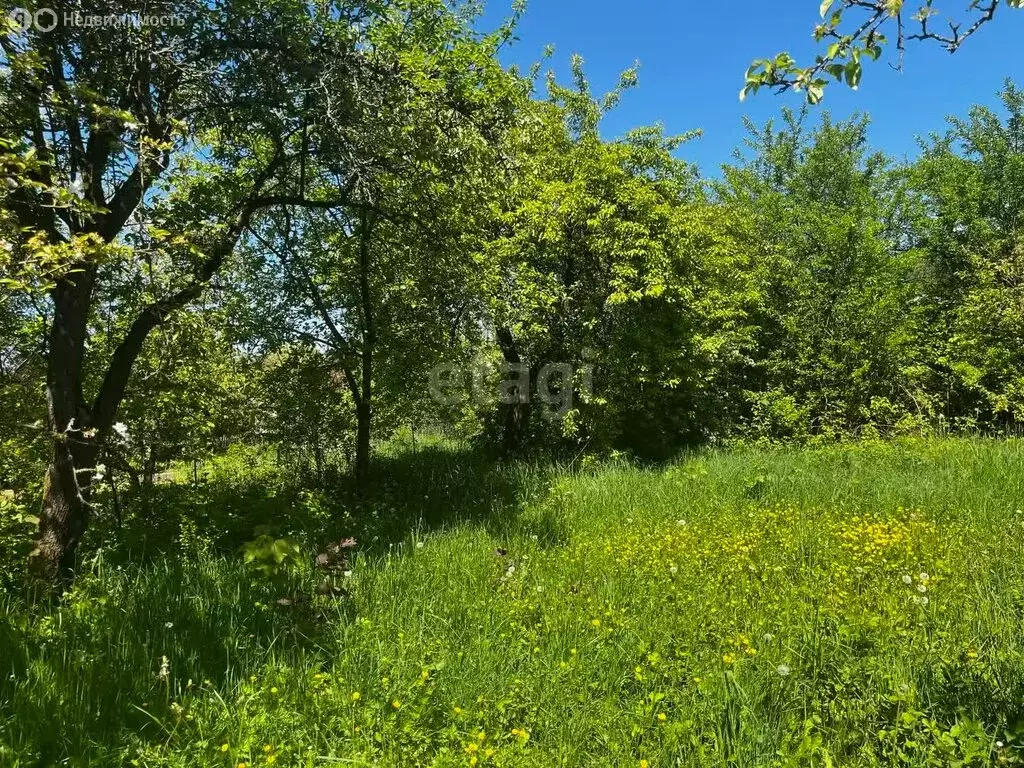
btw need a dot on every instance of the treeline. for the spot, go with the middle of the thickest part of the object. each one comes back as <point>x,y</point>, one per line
<point>374,228</point>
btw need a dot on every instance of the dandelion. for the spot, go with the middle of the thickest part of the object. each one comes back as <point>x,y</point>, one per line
<point>273,690</point>
<point>596,622</point>
<point>419,545</point>
<point>396,704</point>
<point>924,577</point>
<point>356,696</point>
<point>662,717</point>
<point>225,747</point>
<point>673,570</point>
<point>783,670</point>
<point>907,580</point>
<point>922,588</point>
<point>728,658</point>
<point>644,764</point>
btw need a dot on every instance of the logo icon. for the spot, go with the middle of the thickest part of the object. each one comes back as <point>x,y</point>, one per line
<point>21,18</point>
<point>43,20</point>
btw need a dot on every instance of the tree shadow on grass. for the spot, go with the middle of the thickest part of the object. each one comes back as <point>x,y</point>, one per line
<point>436,488</point>
<point>427,489</point>
<point>126,647</point>
<point>153,602</point>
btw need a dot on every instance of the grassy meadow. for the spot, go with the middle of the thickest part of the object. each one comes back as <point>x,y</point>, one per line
<point>850,606</point>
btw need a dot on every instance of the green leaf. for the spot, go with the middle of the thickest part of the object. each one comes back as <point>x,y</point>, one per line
<point>853,74</point>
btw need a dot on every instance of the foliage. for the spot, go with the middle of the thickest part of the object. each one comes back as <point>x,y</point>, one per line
<point>839,343</point>
<point>971,182</point>
<point>270,556</point>
<point>229,275</point>
<point>305,407</point>
<point>608,261</point>
<point>851,43</point>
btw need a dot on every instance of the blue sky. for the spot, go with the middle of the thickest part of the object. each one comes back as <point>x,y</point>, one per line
<point>693,55</point>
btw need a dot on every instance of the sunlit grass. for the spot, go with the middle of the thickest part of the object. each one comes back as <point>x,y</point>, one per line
<point>853,606</point>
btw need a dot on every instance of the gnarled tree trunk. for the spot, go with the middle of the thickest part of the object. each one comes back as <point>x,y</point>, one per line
<point>65,512</point>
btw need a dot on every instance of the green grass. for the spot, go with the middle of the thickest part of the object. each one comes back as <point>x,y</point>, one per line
<point>744,608</point>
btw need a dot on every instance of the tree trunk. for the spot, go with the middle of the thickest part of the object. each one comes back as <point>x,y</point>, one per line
<point>65,512</point>
<point>516,413</point>
<point>364,407</point>
<point>318,456</point>
<point>515,427</point>
<point>364,418</point>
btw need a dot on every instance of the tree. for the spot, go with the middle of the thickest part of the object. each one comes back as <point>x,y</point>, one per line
<point>302,399</point>
<point>608,259</point>
<point>855,30</point>
<point>385,283</point>
<point>229,106</point>
<point>971,232</point>
<point>838,340</point>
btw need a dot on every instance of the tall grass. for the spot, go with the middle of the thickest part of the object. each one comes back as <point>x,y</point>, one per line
<point>853,606</point>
